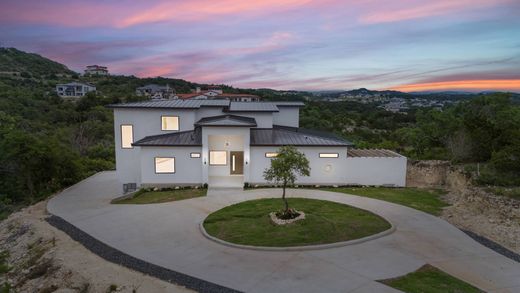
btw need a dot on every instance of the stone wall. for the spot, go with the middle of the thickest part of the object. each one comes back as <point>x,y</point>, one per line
<point>431,173</point>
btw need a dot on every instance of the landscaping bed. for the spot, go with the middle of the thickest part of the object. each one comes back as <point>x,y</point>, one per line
<point>147,196</point>
<point>248,223</point>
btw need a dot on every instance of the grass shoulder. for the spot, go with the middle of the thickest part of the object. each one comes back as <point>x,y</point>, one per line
<point>426,200</point>
<point>429,279</point>
<point>147,196</point>
<point>248,223</point>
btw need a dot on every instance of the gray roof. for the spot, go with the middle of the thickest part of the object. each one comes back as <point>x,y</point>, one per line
<point>176,104</point>
<point>184,138</point>
<point>227,120</point>
<point>252,107</point>
<point>195,104</point>
<point>289,104</point>
<point>374,153</point>
<point>278,136</point>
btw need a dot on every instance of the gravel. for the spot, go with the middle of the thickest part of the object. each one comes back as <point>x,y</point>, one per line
<point>493,245</point>
<point>115,256</point>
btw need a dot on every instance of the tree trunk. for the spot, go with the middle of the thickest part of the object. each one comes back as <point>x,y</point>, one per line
<point>284,199</point>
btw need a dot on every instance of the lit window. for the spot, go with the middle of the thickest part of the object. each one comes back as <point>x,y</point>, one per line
<point>164,165</point>
<point>169,123</point>
<point>271,155</point>
<point>218,158</point>
<point>195,155</point>
<point>329,155</point>
<point>127,136</point>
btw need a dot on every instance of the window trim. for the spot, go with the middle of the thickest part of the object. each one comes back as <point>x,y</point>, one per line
<point>328,155</point>
<point>178,123</point>
<point>271,155</point>
<point>121,134</point>
<point>195,153</point>
<point>209,157</point>
<point>155,165</point>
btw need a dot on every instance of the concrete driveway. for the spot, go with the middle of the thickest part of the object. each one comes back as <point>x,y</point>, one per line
<point>168,235</point>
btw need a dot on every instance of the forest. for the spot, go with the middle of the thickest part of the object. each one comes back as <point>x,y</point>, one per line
<point>47,143</point>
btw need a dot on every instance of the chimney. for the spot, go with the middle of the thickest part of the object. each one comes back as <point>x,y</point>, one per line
<point>197,89</point>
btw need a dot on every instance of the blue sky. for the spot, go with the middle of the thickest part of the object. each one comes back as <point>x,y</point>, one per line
<point>283,44</point>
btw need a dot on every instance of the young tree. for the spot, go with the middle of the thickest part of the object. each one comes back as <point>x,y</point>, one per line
<point>285,167</point>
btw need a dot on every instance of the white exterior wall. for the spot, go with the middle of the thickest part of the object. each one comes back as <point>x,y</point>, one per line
<point>288,116</point>
<point>263,119</point>
<point>145,122</point>
<point>376,171</point>
<point>238,138</point>
<point>187,170</point>
<point>319,173</point>
<point>208,112</point>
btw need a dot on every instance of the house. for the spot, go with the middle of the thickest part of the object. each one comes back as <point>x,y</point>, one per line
<point>217,93</point>
<point>225,143</point>
<point>156,92</point>
<point>74,89</point>
<point>96,70</point>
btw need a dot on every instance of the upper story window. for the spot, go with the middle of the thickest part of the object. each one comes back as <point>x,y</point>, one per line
<point>169,123</point>
<point>127,136</point>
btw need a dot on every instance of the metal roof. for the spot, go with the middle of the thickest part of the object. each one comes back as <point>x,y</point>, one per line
<point>252,107</point>
<point>374,153</point>
<point>289,104</point>
<point>227,120</point>
<point>278,136</point>
<point>177,104</point>
<point>184,138</point>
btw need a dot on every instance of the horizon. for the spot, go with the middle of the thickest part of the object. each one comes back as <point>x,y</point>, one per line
<point>409,46</point>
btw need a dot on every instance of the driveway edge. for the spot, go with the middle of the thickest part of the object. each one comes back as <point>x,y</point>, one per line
<point>118,257</point>
<point>299,248</point>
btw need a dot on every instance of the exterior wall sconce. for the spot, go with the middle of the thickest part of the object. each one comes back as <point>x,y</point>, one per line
<point>246,162</point>
<point>204,161</point>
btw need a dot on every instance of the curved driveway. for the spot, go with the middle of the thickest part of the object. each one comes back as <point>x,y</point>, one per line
<point>168,235</point>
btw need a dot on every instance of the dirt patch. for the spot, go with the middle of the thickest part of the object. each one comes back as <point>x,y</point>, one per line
<point>472,207</point>
<point>488,215</point>
<point>41,258</point>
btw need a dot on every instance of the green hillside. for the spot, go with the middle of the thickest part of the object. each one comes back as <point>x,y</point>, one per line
<point>30,64</point>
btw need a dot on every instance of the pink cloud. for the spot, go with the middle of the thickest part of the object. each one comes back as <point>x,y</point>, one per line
<point>406,10</point>
<point>204,9</point>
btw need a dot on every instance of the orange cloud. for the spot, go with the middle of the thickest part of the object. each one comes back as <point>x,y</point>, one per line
<point>433,8</point>
<point>203,9</point>
<point>471,85</point>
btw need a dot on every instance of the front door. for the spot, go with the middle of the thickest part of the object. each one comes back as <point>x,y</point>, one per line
<point>237,163</point>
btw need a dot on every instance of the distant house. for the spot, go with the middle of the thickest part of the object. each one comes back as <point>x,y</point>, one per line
<point>74,89</point>
<point>96,70</point>
<point>156,92</point>
<point>216,93</point>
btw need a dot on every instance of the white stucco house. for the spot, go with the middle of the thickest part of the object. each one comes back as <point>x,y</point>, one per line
<point>226,143</point>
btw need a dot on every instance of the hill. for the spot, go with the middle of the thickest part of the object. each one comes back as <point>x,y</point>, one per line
<point>30,64</point>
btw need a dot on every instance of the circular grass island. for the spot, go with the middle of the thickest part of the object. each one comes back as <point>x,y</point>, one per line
<point>248,223</point>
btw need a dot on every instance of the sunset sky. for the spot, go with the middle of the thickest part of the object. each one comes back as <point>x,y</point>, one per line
<point>469,45</point>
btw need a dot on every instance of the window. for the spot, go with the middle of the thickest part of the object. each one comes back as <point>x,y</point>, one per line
<point>329,155</point>
<point>217,158</point>
<point>169,123</point>
<point>127,136</point>
<point>271,155</point>
<point>195,155</point>
<point>164,165</point>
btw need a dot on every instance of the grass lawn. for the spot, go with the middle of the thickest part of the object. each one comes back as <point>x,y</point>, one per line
<point>426,200</point>
<point>429,279</point>
<point>144,197</point>
<point>248,223</point>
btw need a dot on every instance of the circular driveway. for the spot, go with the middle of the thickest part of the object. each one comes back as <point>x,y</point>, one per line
<point>168,235</point>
